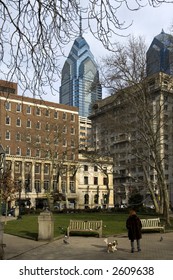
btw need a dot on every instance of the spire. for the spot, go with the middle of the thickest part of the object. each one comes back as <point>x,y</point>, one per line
<point>80,25</point>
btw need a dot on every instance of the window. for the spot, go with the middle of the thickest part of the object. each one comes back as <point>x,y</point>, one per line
<point>105,181</point>
<point>18,136</point>
<point>64,129</point>
<point>18,122</point>
<point>85,167</point>
<point>46,185</point>
<point>47,154</point>
<point>86,199</point>
<point>7,150</point>
<point>47,140</point>
<point>56,128</point>
<point>95,168</point>
<point>47,126</point>
<point>7,135</point>
<point>8,106</point>
<point>37,186</point>
<point>64,116</point>
<point>28,152</point>
<point>47,113</point>
<point>17,167</point>
<point>18,151</point>
<point>38,139</point>
<point>37,168</point>
<point>72,185</point>
<point>72,130</point>
<point>56,155</point>
<point>85,180</point>
<point>46,169</point>
<point>72,117</point>
<point>28,109</point>
<point>72,157</point>
<point>28,124</point>
<point>7,120</point>
<point>55,115</point>
<point>63,186</point>
<point>28,184</point>
<point>54,186</point>
<point>38,111</point>
<point>95,180</point>
<point>18,107</point>
<point>28,138</point>
<point>72,143</point>
<point>38,125</point>
<point>64,142</point>
<point>37,154</point>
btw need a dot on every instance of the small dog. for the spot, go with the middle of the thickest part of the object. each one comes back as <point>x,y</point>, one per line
<point>111,246</point>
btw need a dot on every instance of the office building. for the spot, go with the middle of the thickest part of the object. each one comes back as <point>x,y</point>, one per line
<point>80,86</point>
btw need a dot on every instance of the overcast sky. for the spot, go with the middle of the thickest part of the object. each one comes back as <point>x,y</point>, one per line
<point>147,22</point>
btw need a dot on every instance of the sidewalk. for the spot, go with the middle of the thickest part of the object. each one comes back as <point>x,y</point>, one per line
<point>89,248</point>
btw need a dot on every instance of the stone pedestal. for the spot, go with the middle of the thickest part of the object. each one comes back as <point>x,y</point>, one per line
<point>16,211</point>
<point>45,226</point>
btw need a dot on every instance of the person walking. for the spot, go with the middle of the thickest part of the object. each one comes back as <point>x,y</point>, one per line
<point>134,226</point>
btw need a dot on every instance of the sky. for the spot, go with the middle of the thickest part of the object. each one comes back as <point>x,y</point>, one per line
<point>148,22</point>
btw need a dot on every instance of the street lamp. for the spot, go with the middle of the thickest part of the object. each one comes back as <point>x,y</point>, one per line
<point>2,167</point>
<point>20,190</point>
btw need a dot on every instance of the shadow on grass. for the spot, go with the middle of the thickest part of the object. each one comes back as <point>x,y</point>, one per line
<point>28,235</point>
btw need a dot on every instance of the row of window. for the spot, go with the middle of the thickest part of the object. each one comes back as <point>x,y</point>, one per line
<point>38,140</point>
<point>95,180</point>
<point>38,153</point>
<point>38,111</point>
<point>38,125</point>
<point>46,185</point>
<point>86,168</point>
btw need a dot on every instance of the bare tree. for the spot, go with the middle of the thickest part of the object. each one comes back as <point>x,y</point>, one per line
<point>8,188</point>
<point>141,116</point>
<point>33,35</point>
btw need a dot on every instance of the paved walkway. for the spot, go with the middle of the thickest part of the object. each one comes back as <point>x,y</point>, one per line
<point>89,248</point>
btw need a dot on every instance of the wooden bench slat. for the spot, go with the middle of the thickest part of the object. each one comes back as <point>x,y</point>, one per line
<point>85,226</point>
<point>152,224</point>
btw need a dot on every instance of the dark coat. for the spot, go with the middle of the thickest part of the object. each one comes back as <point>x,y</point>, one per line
<point>134,225</point>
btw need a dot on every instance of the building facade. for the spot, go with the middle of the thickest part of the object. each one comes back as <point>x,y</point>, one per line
<point>40,139</point>
<point>115,125</point>
<point>41,143</point>
<point>95,183</point>
<point>112,138</point>
<point>80,86</point>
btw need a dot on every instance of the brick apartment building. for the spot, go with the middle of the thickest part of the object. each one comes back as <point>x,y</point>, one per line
<point>40,139</point>
<point>41,143</point>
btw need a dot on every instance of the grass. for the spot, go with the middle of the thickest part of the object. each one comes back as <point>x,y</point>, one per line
<point>27,227</point>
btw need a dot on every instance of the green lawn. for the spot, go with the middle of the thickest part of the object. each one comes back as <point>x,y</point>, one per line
<point>113,223</point>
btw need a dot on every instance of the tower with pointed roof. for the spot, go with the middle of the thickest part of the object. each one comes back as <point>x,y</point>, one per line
<point>80,84</point>
<point>160,54</point>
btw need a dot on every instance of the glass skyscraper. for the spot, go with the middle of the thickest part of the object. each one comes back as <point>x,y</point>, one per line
<point>160,55</point>
<point>80,84</point>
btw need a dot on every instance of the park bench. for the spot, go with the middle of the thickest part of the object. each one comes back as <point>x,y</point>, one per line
<point>85,226</point>
<point>152,224</point>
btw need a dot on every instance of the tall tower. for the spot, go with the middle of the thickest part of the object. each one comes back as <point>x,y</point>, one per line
<point>160,55</point>
<point>80,84</point>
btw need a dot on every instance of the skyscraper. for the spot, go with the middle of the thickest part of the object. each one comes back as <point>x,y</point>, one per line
<point>160,55</point>
<point>80,84</point>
